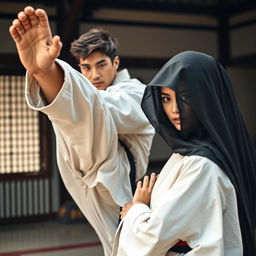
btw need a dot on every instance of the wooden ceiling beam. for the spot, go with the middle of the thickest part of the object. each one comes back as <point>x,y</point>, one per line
<point>155,7</point>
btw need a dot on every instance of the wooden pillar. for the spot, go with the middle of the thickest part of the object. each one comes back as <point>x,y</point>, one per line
<point>68,17</point>
<point>223,35</point>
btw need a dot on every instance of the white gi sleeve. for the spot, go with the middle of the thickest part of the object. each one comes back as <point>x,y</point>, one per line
<point>86,128</point>
<point>82,119</point>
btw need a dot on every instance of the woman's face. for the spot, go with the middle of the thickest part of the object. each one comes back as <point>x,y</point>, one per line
<point>187,121</point>
<point>168,97</point>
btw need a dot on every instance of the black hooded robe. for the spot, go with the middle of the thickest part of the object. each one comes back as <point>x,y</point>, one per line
<point>201,82</point>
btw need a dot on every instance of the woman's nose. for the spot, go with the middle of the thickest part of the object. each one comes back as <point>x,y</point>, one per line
<point>175,107</point>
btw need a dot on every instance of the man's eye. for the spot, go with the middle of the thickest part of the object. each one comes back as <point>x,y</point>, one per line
<point>84,67</point>
<point>102,65</point>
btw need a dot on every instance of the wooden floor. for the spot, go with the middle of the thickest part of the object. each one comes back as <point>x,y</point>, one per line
<point>49,239</point>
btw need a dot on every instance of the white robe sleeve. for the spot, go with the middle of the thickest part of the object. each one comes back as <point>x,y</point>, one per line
<point>191,209</point>
<point>87,123</point>
<point>81,118</point>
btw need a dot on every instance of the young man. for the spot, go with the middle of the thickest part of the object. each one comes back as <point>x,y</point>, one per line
<point>89,124</point>
<point>96,53</point>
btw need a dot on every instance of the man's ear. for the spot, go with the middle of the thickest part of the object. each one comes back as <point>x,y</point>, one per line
<point>116,62</point>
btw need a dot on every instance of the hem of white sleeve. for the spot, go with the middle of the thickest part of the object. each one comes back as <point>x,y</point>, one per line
<point>41,105</point>
<point>136,210</point>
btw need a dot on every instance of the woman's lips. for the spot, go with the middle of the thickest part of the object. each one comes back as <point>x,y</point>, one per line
<point>176,120</point>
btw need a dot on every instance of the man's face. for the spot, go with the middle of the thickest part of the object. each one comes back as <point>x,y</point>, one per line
<point>99,69</point>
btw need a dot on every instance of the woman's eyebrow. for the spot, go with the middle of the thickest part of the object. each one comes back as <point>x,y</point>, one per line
<point>165,94</point>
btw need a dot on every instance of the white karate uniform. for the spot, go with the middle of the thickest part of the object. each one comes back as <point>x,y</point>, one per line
<point>193,200</point>
<point>87,124</point>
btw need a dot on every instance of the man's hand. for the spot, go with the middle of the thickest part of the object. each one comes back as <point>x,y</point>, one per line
<point>32,35</point>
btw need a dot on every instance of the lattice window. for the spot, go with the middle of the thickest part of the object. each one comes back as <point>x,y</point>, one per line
<point>19,129</point>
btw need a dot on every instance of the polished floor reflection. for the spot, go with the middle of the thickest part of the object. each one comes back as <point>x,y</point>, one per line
<point>49,239</point>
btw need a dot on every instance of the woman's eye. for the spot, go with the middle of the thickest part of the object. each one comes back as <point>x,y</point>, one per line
<point>165,99</point>
<point>183,97</point>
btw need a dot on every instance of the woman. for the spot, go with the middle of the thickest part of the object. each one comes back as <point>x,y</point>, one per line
<point>203,202</point>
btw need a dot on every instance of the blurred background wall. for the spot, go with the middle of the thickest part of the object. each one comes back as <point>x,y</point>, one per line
<point>149,33</point>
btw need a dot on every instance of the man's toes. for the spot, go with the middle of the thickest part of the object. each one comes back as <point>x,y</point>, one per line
<point>30,12</point>
<point>19,27</point>
<point>42,16</point>
<point>14,33</point>
<point>33,20</point>
<point>24,20</point>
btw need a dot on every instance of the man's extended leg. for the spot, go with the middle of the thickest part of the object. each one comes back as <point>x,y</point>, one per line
<point>102,213</point>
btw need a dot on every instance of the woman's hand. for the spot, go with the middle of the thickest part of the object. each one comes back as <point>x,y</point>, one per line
<point>125,209</point>
<point>142,194</point>
<point>143,191</point>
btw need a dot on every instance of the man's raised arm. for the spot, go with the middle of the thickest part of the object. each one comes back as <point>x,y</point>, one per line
<point>38,50</point>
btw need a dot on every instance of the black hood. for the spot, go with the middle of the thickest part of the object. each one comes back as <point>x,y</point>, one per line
<point>221,134</point>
